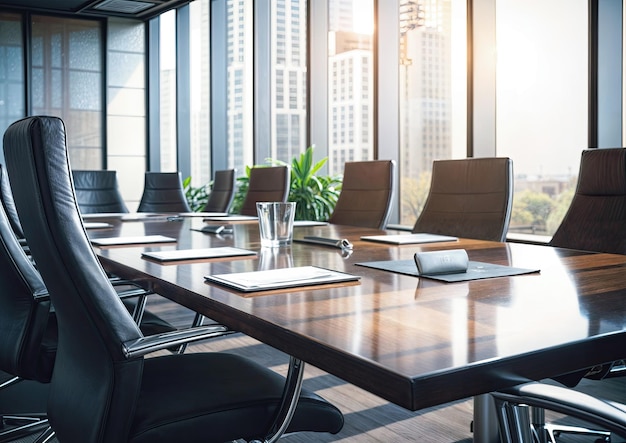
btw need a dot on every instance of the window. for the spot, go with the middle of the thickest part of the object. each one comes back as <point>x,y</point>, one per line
<point>12,106</point>
<point>288,99</point>
<point>432,82</point>
<point>67,81</point>
<point>200,99</point>
<point>350,54</point>
<point>542,98</point>
<point>126,106</point>
<point>239,89</point>
<point>167,96</point>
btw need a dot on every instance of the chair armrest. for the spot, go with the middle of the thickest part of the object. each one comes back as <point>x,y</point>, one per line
<point>610,415</point>
<point>135,292</point>
<point>42,295</point>
<point>146,345</point>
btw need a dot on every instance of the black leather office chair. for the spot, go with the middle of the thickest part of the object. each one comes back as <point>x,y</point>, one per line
<point>97,191</point>
<point>596,221</point>
<point>163,192</point>
<point>366,194</point>
<point>469,198</point>
<point>6,197</point>
<point>593,222</point>
<point>102,389</point>
<point>132,294</point>
<point>267,184</point>
<point>596,215</point>
<point>222,191</point>
<point>29,332</point>
<point>28,343</point>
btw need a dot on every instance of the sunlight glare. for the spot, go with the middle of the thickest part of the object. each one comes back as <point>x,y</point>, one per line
<point>363,17</point>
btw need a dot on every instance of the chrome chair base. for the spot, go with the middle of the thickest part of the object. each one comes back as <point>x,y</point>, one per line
<point>521,414</point>
<point>15,427</point>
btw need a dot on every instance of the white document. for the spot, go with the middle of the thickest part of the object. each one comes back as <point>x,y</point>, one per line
<point>309,223</point>
<point>280,278</point>
<point>140,240</point>
<point>202,214</point>
<point>124,216</point>
<point>409,239</point>
<point>97,225</point>
<point>231,218</point>
<point>196,254</point>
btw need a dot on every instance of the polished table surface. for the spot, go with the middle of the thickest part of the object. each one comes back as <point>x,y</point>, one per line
<point>413,341</point>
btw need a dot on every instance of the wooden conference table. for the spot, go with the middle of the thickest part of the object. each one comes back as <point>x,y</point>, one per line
<point>413,341</point>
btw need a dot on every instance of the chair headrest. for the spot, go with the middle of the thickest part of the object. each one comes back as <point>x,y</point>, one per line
<point>602,172</point>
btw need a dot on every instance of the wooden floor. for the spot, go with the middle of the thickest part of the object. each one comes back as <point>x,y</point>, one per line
<point>367,417</point>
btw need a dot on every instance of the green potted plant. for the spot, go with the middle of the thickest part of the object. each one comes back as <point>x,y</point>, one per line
<point>197,196</point>
<point>315,195</point>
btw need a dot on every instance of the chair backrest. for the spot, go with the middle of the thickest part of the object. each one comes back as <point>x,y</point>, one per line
<point>596,218</point>
<point>163,192</point>
<point>267,184</point>
<point>222,191</point>
<point>28,341</point>
<point>469,198</point>
<point>97,191</point>
<point>94,386</point>
<point>366,194</point>
<point>8,204</point>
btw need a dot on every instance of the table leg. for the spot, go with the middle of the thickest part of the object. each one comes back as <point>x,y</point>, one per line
<point>485,420</point>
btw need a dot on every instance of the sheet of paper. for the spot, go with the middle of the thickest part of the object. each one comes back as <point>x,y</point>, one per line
<point>409,239</point>
<point>196,254</point>
<point>231,218</point>
<point>202,214</point>
<point>297,223</point>
<point>97,225</point>
<point>124,216</point>
<point>280,278</point>
<point>140,240</point>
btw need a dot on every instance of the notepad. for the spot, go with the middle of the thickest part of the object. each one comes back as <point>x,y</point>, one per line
<point>103,215</point>
<point>232,218</point>
<point>475,270</point>
<point>124,216</point>
<point>409,239</point>
<point>299,223</point>
<point>202,214</point>
<point>197,254</point>
<point>97,225</point>
<point>280,278</point>
<point>140,240</point>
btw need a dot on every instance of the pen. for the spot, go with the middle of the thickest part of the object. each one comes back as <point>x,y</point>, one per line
<point>337,243</point>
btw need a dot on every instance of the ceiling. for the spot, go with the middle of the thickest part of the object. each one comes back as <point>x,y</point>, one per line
<point>137,9</point>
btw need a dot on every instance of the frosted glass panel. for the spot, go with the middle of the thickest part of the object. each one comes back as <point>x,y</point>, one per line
<point>84,90</point>
<point>82,55</point>
<point>127,36</point>
<point>67,82</point>
<point>126,106</point>
<point>126,69</point>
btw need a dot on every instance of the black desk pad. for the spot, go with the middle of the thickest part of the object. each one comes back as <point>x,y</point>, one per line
<point>475,271</point>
